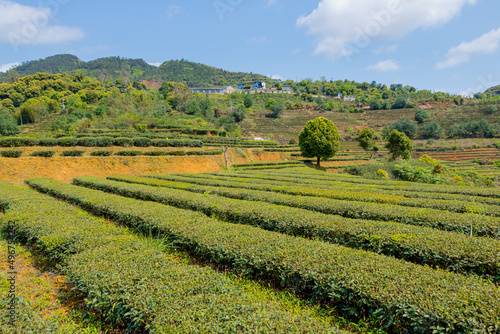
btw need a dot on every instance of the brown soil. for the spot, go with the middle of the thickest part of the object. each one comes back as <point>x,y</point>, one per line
<point>65,169</point>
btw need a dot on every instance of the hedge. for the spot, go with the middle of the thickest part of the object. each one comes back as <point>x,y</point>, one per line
<point>341,194</point>
<point>18,142</point>
<point>72,153</point>
<point>49,142</point>
<point>101,153</point>
<point>476,224</point>
<point>319,181</point>
<point>131,283</point>
<point>405,297</point>
<point>45,154</point>
<point>421,245</point>
<point>122,141</point>
<point>404,185</point>
<point>269,163</point>
<point>11,153</point>
<point>128,153</point>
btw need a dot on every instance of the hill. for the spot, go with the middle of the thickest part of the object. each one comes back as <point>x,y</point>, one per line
<point>113,68</point>
<point>495,91</point>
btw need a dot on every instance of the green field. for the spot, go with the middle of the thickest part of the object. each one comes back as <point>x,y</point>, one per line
<point>287,250</point>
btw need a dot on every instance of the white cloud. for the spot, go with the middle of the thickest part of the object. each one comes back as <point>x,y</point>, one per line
<point>173,10</point>
<point>388,49</point>
<point>157,64</point>
<point>385,66</point>
<point>25,25</point>
<point>270,3</point>
<point>344,27</point>
<point>487,43</point>
<point>296,51</point>
<point>277,77</point>
<point>9,66</point>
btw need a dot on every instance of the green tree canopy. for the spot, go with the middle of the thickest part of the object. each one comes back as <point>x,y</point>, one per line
<point>433,130</point>
<point>320,139</point>
<point>421,115</point>
<point>366,139</point>
<point>8,125</point>
<point>399,145</point>
<point>278,108</point>
<point>404,125</point>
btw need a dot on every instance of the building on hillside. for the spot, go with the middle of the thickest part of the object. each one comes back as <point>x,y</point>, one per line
<point>207,90</point>
<point>286,88</point>
<point>253,85</point>
<point>350,98</point>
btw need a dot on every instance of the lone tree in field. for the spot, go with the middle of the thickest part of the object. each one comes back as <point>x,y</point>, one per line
<point>366,140</point>
<point>399,145</point>
<point>319,139</point>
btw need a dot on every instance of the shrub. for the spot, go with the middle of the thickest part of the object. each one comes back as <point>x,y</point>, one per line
<point>18,142</point>
<point>207,152</point>
<point>128,153</point>
<point>421,115</point>
<point>155,153</point>
<point>11,153</point>
<point>45,154</point>
<point>427,160</point>
<point>124,141</point>
<point>142,142</point>
<point>67,141</point>
<point>438,169</point>
<point>49,142</point>
<point>383,174</point>
<point>177,153</point>
<point>72,153</point>
<point>104,141</point>
<point>87,142</point>
<point>101,153</point>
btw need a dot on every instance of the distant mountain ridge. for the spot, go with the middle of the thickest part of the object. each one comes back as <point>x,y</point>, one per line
<point>495,91</point>
<point>112,68</point>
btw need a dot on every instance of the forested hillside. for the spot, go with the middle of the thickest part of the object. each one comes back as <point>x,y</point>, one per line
<point>110,69</point>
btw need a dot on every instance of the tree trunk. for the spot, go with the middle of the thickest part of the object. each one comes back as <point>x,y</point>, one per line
<point>319,159</point>
<point>224,149</point>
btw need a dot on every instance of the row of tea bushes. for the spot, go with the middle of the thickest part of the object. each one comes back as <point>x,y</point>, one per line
<point>466,223</point>
<point>98,142</point>
<point>343,194</point>
<point>316,181</point>
<point>79,153</point>
<point>401,185</point>
<point>421,245</point>
<point>132,283</point>
<point>403,296</point>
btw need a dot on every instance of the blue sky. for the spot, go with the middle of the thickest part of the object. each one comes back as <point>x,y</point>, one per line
<point>448,45</point>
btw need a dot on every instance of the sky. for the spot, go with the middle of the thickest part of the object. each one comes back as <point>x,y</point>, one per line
<point>445,45</point>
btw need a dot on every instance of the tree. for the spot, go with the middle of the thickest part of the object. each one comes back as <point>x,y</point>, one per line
<point>277,108</point>
<point>399,145</point>
<point>320,139</point>
<point>433,130</point>
<point>248,101</point>
<point>403,125</point>
<point>421,115</point>
<point>8,125</point>
<point>400,102</point>
<point>492,108</point>
<point>366,139</point>
<point>239,113</point>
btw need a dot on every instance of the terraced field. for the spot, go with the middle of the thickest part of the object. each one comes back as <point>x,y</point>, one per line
<point>178,252</point>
